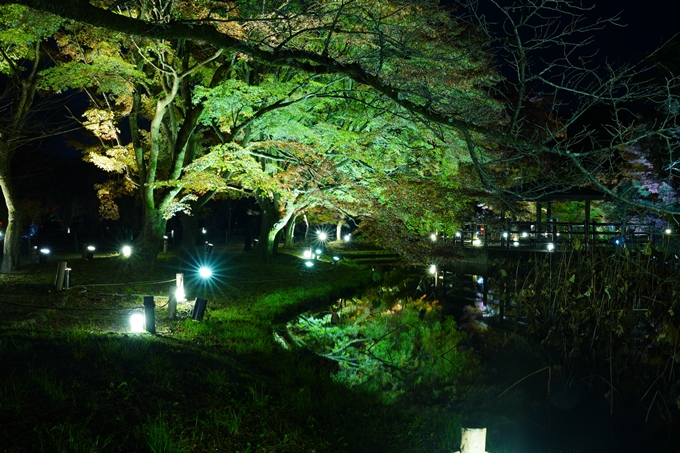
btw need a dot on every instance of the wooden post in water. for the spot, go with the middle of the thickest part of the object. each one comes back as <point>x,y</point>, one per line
<point>473,440</point>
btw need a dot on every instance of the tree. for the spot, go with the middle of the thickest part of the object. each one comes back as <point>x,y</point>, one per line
<point>22,56</point>
<point>437,68</point>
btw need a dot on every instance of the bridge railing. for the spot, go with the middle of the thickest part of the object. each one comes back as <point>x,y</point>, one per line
<point>552,235</point>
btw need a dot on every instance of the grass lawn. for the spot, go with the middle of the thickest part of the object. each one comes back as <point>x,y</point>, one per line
<point>74,379</point>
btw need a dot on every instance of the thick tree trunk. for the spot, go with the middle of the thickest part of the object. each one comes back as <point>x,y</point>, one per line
<point>12,241</point>
<point>150,240</point>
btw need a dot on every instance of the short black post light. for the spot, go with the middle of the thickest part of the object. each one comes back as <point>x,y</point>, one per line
<point>165,244</point>
<point>199,306</point>
<point>208,248</point>
<point>149,314</point>
<point>67,278</point>
<point>61,275</point>
<point>90,252</point>
<point>199,309</point>
<point>34,254</point>
<point>44,253</point>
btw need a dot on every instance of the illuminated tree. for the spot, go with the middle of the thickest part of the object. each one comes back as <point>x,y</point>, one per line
<point>22,56</point>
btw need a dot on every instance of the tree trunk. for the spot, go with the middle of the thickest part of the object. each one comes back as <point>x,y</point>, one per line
<point>150,240</point>
<point>270,218</point>
<point>12,241</point>
<point>338,229</point>
<point>290,232</point>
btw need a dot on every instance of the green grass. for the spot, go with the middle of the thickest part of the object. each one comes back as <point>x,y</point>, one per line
<point>80,381</point>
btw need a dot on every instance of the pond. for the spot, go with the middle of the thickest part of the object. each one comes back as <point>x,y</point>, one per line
<point>436,346</point>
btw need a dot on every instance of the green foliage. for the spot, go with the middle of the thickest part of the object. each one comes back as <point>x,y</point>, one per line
<point>392,345</point>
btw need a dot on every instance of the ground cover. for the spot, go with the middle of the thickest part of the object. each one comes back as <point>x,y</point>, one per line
<point>74,379</point>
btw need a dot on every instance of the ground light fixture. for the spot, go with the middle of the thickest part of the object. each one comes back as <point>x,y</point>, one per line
<point>433,269</point>
<point>433,237</point>
<point>204,272</point>
<point>309,264</point>
<point>347,237</point>
<point>308,255</point>
<point>149,314</point>
<point>90,252</point>
<point>322,236</point>
<point>44,253</point>
<point>137,321</point>
<point>668,231</point>
<point>477,242</point>
<point>127,251</point>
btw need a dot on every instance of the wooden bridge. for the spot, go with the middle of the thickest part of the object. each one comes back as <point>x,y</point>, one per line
<point>553,236</point>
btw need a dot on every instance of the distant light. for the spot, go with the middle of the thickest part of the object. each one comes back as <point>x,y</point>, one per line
<point>433,237</point>
<point>45,251</point>
<point>309,263</point>
<point>91,248</point>
<point>668,231</point>
<point>205,272</point>
<point>551,247</point>
<point>336,258</point>
<point>525,234</point>
<point>515,243</point>
<point>477,242</point>
<point>617,242</point>
<point>457,234</point>
<point>347,237</point>
<point>317,251</point>
<point>433,269</point>
<point>137,322</point>
<point>165,237</point>
<point>480,280</point>
<point>127,251</point>
<point>307,254</point>
<point>505,234</point>
<point>322,236</point>
<point>203,230</point>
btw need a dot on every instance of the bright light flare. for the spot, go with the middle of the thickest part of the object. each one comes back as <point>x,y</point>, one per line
<point>668,231</point>
<point>322,236</point>
<point>551,247</point>
<point>127,251</point>
<point>309,263</point>
<point>433,237</point>
<point>205,272</point>
<point>347,237</point>
<point>91,248</point>
<point>433,269</point>
<point>477,242</point>
<point>45,251</point>
<point>137,322</point>
<point>307,254</point>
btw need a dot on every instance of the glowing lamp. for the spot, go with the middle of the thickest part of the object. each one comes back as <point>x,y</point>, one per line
<point>44,252</point>
<point>668,231</point>
<point>309,264</point>
<point>307,254</point>
<point>477,242</point>
<point>336,258</point>
<point>505,234</point>
<point>433,237</point>
<point>515,243</point>
<point>318,251</point>
<point>551,247</point>
<point>433,269</point>
<point>179,294</point>
<point>127,251</point>
<point>322,236</point>
<point>203,230</point>
<point>137,322</point>
<point>457,234</point>
<point>347,237</point>
<point>525,234</point>
<point>205,272</point>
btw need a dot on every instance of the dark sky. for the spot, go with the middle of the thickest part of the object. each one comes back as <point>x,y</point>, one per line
<point>650,23</point>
